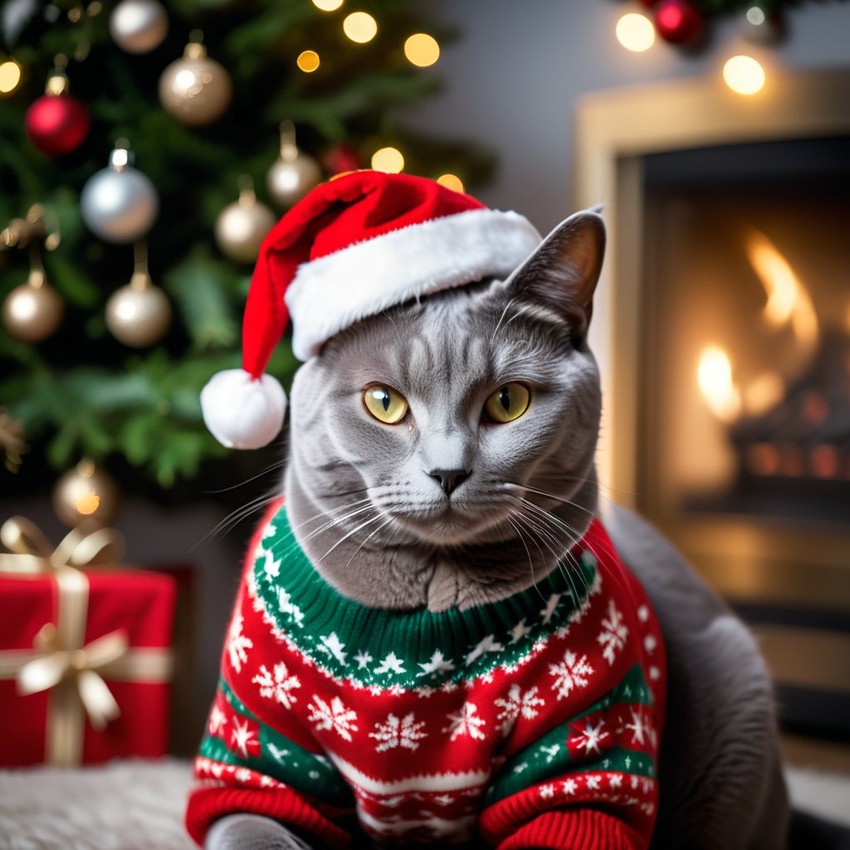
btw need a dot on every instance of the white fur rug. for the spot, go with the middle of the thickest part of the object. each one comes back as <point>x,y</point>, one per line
<point>138,805</point>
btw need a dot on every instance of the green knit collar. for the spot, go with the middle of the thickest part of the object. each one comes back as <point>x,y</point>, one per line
<point>408,649</point>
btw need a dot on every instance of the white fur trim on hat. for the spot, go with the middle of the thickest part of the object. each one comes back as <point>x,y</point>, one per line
<point>333,292</point>
<point>243,412</point>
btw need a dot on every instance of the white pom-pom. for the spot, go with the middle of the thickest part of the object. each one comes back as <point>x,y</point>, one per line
<point>243,412</point>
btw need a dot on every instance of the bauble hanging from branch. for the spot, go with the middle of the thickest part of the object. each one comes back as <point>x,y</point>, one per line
<point>195,89</point>
<point>57,123</point>
<point>242,225</point>
<point>119,203</point>
<point>294,173</point>
<point>138,26</point>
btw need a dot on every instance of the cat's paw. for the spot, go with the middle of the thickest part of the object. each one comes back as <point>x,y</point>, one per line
<point>251,832</point>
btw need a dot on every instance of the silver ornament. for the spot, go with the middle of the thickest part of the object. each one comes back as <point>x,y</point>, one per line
<point>32,311</point>
<point>760,27</point>
<point>294,173</point>
<point>138,26</point>
<point>119,204</point>
<point>139,313</point>
<point>242,226</point>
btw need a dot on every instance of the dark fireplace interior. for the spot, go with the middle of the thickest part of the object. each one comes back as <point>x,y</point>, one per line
<point>745,418</point>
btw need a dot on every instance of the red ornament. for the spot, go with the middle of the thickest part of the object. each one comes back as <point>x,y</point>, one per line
<point>678,21</point>
<point>57,123</point>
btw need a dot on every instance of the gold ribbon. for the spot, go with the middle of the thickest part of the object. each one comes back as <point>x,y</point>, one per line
<point>60,663</point>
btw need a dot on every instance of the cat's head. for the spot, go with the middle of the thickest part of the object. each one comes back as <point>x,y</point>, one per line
<point>454,436</point>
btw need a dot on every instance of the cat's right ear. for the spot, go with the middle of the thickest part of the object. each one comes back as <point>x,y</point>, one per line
<point>563,272</point>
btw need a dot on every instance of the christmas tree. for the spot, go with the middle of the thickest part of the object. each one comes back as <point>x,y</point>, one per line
<point>138,184</point>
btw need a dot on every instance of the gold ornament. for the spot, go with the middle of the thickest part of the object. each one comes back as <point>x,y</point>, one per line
<point>139,313</point>
<point>242,226</point>
<point>33,310</point>
<point>86,492</point>
<point>294,173</point>
<point>195,89</point>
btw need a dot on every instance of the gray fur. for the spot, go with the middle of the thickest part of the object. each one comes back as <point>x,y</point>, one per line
<point>367,509</point>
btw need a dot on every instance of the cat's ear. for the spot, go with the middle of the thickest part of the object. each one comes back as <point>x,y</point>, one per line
<point>562,273</point>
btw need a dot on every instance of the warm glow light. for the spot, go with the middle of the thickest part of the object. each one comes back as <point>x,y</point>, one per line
<point>788,301</point>
<point>360,27</point>
<point>744,75</point>
<point>714,376</point>
<point>10,76</point>
<point>451,181</point>
<point>389,160</point>
<point>763,393</point>
<point>87,503</point>
<point>327,5</point>
<point>422,50</point>
<point>308,61</point>
<point>635,32</point>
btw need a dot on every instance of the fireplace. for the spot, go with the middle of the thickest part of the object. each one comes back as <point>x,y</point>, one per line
<point>723,333</point>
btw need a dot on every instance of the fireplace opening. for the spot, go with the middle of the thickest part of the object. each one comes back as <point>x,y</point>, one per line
<point>744,414</point>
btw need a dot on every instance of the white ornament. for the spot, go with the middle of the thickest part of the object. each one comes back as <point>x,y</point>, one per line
<point>138,26</point>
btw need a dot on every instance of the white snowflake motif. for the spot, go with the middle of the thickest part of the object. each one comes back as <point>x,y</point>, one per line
<point>466,722</point>
<point>288,607</point>
<point>394,732</point>
<point>363,659</point>
<point>519,631</point>
<point>515,704</point>
<point>547,791</point>
<point>332,646</point>
<point>591,737</point>
<point>593,783</point>
<point>551,606</point>
<point>391,664</point>
<point>218,720</point>
<point>438,664</point>
<point>551,752</point>
<point>271,567</point>
<point>238,645</point>
<point>573,672</point>
<point>241,737</point>
<point>616,780</point>
<point>639,727</point>
<point>334,717</point>
<point>278,685</point>
<point>487,644</point>
<point>614,633</point>
<point>569,786</point>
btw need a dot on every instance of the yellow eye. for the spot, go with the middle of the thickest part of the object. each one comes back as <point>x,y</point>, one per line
<point>385,404</point>
<point>509,402</point>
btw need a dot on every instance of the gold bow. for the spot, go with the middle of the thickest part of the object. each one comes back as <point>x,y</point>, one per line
<point>72,672</point>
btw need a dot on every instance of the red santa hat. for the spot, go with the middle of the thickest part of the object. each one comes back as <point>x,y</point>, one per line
<point>352,248</point>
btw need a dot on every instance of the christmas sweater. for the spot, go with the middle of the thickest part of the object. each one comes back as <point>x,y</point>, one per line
<point>529,722</point>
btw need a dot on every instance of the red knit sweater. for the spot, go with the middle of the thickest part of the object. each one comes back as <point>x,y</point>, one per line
<point>530,722</point>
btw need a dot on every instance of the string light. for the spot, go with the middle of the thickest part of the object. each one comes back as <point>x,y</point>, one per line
<point>10,76</point>
<point>635,32</point>
<point>360,27</point>
<point>388,159</point>
<point>327,5</point>
<point>308,61</point>
<point>744,75</point>
<point>451,181</point>
<point>421,50</point>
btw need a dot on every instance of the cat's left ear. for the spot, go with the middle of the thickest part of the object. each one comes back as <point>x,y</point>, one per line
<point>563,272</point>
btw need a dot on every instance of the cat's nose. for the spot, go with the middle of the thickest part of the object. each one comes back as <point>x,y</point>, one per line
<point>450,479</point>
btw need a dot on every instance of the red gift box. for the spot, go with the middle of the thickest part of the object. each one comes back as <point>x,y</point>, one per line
<point>84,653</point>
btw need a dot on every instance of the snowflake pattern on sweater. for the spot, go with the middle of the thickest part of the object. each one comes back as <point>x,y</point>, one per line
<point>533,721</point>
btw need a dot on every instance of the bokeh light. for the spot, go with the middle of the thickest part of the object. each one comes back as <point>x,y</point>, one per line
<point>421,50</point>
<point>308,61</point>
<point>744,75</point>
<point>360,27</point>
<point>388,159</point>
<point>10,76</point>
<point>635,32</point>
<point>451,181</point>
<point>327,5</point>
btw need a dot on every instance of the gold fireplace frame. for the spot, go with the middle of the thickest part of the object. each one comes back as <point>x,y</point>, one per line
<point>614,131</point>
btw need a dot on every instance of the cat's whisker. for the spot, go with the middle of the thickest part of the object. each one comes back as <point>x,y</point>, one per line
<point>357,551</point>
<point>350,534</point>
<point>227,524</point>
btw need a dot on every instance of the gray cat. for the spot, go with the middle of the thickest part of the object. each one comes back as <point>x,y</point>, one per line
<point>445,515</point>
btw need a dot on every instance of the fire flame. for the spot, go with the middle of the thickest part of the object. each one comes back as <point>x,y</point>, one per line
<point>788,305</point>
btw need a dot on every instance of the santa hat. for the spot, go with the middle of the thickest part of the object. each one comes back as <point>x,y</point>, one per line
<point>352,248</point>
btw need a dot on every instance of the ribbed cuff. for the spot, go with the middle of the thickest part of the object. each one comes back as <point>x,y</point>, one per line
<point>577,829</point>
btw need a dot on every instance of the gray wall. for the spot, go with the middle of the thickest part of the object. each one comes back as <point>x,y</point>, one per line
<point>512,79</point>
